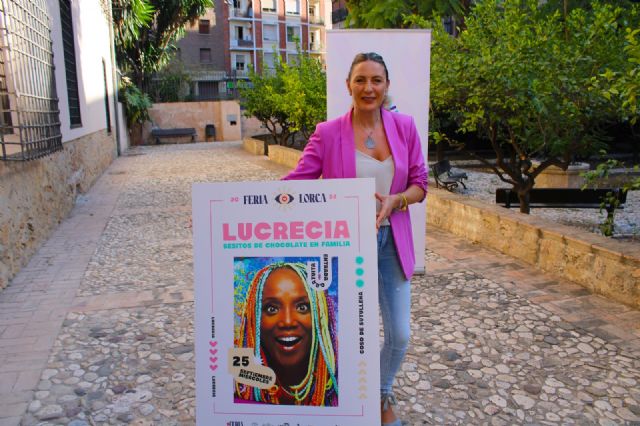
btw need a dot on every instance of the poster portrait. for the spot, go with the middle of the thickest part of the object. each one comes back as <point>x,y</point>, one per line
<point>286,303</point>
<point>409,68</point>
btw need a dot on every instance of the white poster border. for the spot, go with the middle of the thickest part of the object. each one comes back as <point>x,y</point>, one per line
<point>216,204</point>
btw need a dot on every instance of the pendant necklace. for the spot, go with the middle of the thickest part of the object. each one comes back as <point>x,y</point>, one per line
<point>369,142</point>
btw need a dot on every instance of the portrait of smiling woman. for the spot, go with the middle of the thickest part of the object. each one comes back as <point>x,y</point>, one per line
<point>292,329</point>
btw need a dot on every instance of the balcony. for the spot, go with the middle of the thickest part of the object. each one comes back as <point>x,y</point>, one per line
<point>315,47</point>
<point>318,20</point>
<point>240,12</point>
<point>247,42</point>
<point>240,73</point>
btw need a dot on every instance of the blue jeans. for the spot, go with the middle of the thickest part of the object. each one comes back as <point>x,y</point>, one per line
<point>394,294</point>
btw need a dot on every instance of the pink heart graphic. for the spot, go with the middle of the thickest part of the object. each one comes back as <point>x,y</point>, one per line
<point>213,359</point>
<point>213,344</point>
<point>213,367</point>
<point>213,351</point>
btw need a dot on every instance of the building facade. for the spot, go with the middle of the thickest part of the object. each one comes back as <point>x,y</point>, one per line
<point>339,13</point>
<point>57,118</point>
<point>242,35</point>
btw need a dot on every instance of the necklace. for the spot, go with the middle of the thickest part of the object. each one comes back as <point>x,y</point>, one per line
<point>369,142</point>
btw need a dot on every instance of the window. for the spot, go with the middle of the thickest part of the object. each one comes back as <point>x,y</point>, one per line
<point>269,5</point>
<point>240,62</point>
<point>106,97</point>
<point>292,59</point>
<point>268,61</point>
<point>204,26</point>
<point>269,32</point>
<point>293,34</point>
<point>205,56</point>
<point>28,97</point>
<point>69,47</point>
<point>240,33</point>
<point>292,7</point>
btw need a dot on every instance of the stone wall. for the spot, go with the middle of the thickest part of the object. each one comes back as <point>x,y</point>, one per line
<point>197,115</point>
<point>253,146</point>
<point>602,265</point>
<point>251,126</point>
<point>35,196</point>
<point>283,155</point>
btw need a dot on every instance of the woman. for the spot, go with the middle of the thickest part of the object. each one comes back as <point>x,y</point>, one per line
<point>369,141</point>
<point>292,329</point>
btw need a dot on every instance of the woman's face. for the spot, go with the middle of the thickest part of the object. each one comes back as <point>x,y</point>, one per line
<point>285,325</point>
<point>368,85</point>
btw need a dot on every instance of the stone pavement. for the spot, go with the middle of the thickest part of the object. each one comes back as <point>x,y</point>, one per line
<point>97,329</point>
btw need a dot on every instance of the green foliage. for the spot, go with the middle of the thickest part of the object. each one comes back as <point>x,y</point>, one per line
<point>600,177</point>
<point>172,85</point>
<point>287,99</point>
<point>146,31</point>
<point>621,86</point>
<point>130,17</point>
<point>304,99</point>
<point>136,103</point>
<point>400,13</point>
<point>520,75</point>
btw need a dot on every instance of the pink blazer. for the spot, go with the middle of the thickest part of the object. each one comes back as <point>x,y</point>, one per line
<point>330,153</point>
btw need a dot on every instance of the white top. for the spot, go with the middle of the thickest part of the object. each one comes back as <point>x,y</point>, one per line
<point>382,171</point>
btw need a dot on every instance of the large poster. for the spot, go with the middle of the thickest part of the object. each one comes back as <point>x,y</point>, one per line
<point>407,56</point>
<point>286,302</point>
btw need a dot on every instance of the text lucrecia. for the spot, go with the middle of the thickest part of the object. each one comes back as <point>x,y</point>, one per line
<point>294,230</point>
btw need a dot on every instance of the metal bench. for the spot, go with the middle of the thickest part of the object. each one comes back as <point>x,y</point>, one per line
<point>445,177</point>
<point>568,198</point>
<point>178,132</point>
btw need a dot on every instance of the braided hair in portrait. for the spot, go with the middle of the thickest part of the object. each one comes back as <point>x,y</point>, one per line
<point>319,387</point>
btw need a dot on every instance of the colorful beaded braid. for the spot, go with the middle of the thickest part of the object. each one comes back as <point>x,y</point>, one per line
<point>319,387</point>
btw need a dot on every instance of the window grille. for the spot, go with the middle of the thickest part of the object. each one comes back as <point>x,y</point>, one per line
<point>69,47</point>
<point>29,118</point>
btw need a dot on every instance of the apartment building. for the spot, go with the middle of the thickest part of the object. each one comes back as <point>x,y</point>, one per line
<point>238,35</point>
<point>339,13</point>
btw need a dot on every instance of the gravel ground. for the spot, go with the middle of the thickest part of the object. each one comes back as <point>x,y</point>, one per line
<point>482,186</point>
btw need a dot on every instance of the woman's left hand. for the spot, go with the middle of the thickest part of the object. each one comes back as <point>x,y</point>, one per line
<point>387,204</point>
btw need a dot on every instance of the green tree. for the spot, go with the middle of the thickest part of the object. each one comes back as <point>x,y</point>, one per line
<point>396,13</point>
<point>304,98</point>
<point>146,31</point>
<point>262,99</point>
<point>515,77</point>
<point>290,98</point>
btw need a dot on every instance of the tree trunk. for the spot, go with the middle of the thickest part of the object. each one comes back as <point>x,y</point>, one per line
<point>523,196</point>
<point>440,151</point>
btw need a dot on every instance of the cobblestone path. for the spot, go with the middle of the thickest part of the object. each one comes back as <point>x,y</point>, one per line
<point>97,329</point>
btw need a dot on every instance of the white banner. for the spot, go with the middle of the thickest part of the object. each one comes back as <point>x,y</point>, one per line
<point>407,56</point>
<point>286,303</point>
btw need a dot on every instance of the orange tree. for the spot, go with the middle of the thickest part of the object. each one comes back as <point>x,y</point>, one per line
<point>521,76</point>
